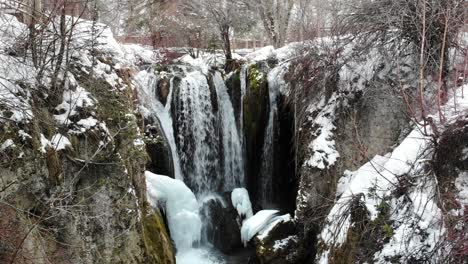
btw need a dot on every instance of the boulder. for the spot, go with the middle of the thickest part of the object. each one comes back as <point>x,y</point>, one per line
<point>158,150</point>
<point>279,245</point>
<point>222,223</point>
<point>164,86</point>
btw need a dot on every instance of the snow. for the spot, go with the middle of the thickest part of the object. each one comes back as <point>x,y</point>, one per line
<point>289,51</point>
<point>417,223</point>
<point>72,100</point>
<point>59,142</point>
<point>461,184</point>
<point>380,174</point>
<point>88,123</point>
<point>45,143</point>
<point>256,224</point>
<point>11,30</point>
<point>181,209</point>
<point>86,32</point>
<point>138,142</point>
<point>282,54</point>
<point>264,233</point>
<point>24,136</point>
<point>13,69</point>
<point>17,105</point>
<point>241,201</point>
<point>7,144</point>
<point>324,153</point>
<point>197,63</point>
<point>136,54</point>
<point>261,54</point>
<point>355,74</point>
<point>282,243</point>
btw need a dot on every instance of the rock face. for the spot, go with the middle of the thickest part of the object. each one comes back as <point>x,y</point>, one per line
<point>279,246</point>
<point>256,109</point>
<point>222,226</point>
<point>233,84</point>
<point>159,151</point>
<point>364,125</point>
<point>85,203</point>
<point>163,90</point>
<point>285,179</point>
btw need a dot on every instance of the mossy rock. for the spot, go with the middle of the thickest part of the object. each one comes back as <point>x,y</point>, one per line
<point>365,237</point>
<point>233,84</point>
<point>256,111</point>
<point>268,253</point>
<point>157,242</point>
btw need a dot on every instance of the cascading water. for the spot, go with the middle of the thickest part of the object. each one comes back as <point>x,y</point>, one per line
<point>266,169</point>
<point>197,133</point>
<point>207,137</point>
<point>233,166</point>
<point>200,126</point>
<point>151,107</point>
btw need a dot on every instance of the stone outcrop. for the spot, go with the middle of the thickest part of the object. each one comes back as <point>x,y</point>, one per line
<point>85,203</point>
<point>256,109</point>
<point>366,124</point>
<point>222,226</point>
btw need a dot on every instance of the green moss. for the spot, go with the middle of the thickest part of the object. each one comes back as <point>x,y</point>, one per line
<point>157,243</point>
<point>364,239</point>
<point>256,78</point>
<point>237,77</point>
<point>388,230</point>
<point>158,67</point>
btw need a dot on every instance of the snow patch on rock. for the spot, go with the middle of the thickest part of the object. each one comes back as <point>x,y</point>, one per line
<point>241,201</point>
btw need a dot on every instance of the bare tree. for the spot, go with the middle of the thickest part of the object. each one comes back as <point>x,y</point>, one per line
<point>227,17</point>
<point>275,16</point>
<point>424,29</point>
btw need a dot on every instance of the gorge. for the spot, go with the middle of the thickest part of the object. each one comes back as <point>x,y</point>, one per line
<point>194,115</point>
<point>309,153</point>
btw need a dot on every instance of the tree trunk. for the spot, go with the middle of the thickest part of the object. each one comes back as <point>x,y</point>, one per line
<point>229,65</point>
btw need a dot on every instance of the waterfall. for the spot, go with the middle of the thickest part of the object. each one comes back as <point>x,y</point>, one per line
<point>147,84</point>
<point>267,166</point>
<point>200,126</point>
<point>198,134</point>
<point>208,139</point>
<point>233,165</point>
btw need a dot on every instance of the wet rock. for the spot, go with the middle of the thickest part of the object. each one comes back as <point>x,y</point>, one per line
<point>279,246</point>
<point>159,151</point>
<point>233,84</point>
<point>222,225</point>
<point>256,112</point>
<point>163,89</point>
